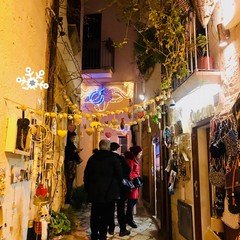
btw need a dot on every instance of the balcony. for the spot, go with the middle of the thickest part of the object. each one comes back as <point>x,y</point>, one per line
<point>202,68</point>
<point>98,60</point>
<point>203,72</point>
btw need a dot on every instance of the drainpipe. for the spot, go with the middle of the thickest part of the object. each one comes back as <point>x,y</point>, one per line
<point>53,55</point>
<point>195,42</point>
<point>208,62</point>
<point>81,42</point>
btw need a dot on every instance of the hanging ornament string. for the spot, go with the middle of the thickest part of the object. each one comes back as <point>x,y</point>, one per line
<point>38,132</point>
<point>77,114</point>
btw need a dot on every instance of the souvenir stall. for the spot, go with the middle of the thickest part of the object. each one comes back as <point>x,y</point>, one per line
<point>224,172</point>
<point>38,137</point>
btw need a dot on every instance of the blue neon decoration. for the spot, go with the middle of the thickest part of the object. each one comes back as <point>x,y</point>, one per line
<point>99,96</point>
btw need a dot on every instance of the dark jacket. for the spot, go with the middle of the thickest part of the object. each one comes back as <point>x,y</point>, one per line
<point>102,177</point>
<point>125,171</point>
<point>71,154</point>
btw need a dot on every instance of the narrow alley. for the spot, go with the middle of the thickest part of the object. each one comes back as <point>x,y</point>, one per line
<point>147,227</point>
<point>159,80</point>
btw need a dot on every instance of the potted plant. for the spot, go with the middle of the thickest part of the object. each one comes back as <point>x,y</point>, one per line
<point>59,223</point>
<point>204,61</point>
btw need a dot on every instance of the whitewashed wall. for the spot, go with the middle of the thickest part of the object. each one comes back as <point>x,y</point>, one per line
<point>23,43</point>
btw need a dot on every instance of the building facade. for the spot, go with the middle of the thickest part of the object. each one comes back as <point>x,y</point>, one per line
<point>70,66</point>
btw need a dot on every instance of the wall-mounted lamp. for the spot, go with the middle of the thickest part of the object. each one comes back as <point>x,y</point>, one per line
<point>223,35</point>
<point>172,103</point>
<point>142,97</point>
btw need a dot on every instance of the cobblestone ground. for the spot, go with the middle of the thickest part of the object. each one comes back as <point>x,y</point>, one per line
<point>147,228</point>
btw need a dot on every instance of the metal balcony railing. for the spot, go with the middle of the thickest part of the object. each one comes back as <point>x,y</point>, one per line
<point>196,60</point>
<point>195,64</point>
<point>100,56</point>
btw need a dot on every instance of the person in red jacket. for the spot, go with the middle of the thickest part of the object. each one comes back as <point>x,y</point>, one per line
<point>132,157</point>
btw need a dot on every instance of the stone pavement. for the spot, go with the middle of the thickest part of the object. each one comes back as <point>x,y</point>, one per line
<point>147,228</point>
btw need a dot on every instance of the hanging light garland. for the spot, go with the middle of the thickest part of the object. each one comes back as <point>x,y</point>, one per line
<point>77,115</point>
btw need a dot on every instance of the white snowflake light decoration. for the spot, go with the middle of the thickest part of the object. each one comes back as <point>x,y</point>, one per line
<point>32,81</point>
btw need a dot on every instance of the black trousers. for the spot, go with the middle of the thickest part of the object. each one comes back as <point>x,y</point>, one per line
<point>99,220</point>
<point>111,224</point>
<point>70,174</point>
<point>120,215</point>
<point>129,213</point>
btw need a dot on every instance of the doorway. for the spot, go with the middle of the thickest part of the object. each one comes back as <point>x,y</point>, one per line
<point>201,186</point>
<point>123,144</point>
<point>147,173</point>
<point>156,174</point>
<point>92,41</point>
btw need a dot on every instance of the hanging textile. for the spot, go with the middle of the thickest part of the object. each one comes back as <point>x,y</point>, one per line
<point>204,10</point>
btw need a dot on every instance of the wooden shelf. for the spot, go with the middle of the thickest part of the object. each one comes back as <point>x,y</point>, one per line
<point>12,136</point>
<point>20,152</point>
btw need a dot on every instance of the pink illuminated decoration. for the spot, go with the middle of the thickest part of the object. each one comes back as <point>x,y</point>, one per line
<point>99,96</point>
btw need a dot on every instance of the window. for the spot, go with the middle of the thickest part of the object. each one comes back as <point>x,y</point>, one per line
<point>123,143</point>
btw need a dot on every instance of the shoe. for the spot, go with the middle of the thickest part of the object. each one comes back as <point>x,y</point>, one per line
<point>124,233</point>
<point>111,232</point>
<point>94,237</point>
<point>132,224</point>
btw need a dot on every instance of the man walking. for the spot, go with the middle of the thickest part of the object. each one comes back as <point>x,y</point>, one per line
<point>102,178</point>
<point>115,147</point>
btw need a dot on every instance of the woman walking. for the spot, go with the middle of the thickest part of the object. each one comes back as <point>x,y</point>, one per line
<point>132,157</point>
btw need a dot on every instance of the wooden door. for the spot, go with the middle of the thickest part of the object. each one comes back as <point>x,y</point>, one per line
<point>196,187</point>
<point>155,193</point>
<point>147,163</point>
<point>201,187</point>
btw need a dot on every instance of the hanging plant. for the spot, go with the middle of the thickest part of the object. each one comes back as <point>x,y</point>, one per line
<point>161,27</point>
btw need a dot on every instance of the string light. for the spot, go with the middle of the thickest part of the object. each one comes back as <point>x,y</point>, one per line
<point>78,115</point>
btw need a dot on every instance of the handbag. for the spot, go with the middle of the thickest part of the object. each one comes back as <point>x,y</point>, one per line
<point>217,176</point>
<point>232,186</point>
<point>22,141</point>
<point>127,184</point>
<point>138,182</point>
<point>229,219</point>
<point>217,149</point>
<point>219,203</point>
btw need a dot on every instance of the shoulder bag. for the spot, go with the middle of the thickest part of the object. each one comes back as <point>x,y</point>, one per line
<point>127,184</point>
<point>138,182</point>
<point>232,186</point>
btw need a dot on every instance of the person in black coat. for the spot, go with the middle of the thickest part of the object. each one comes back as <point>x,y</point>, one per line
<point>115,147</point>
<point>70,164</point>
<point>102,178</point>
